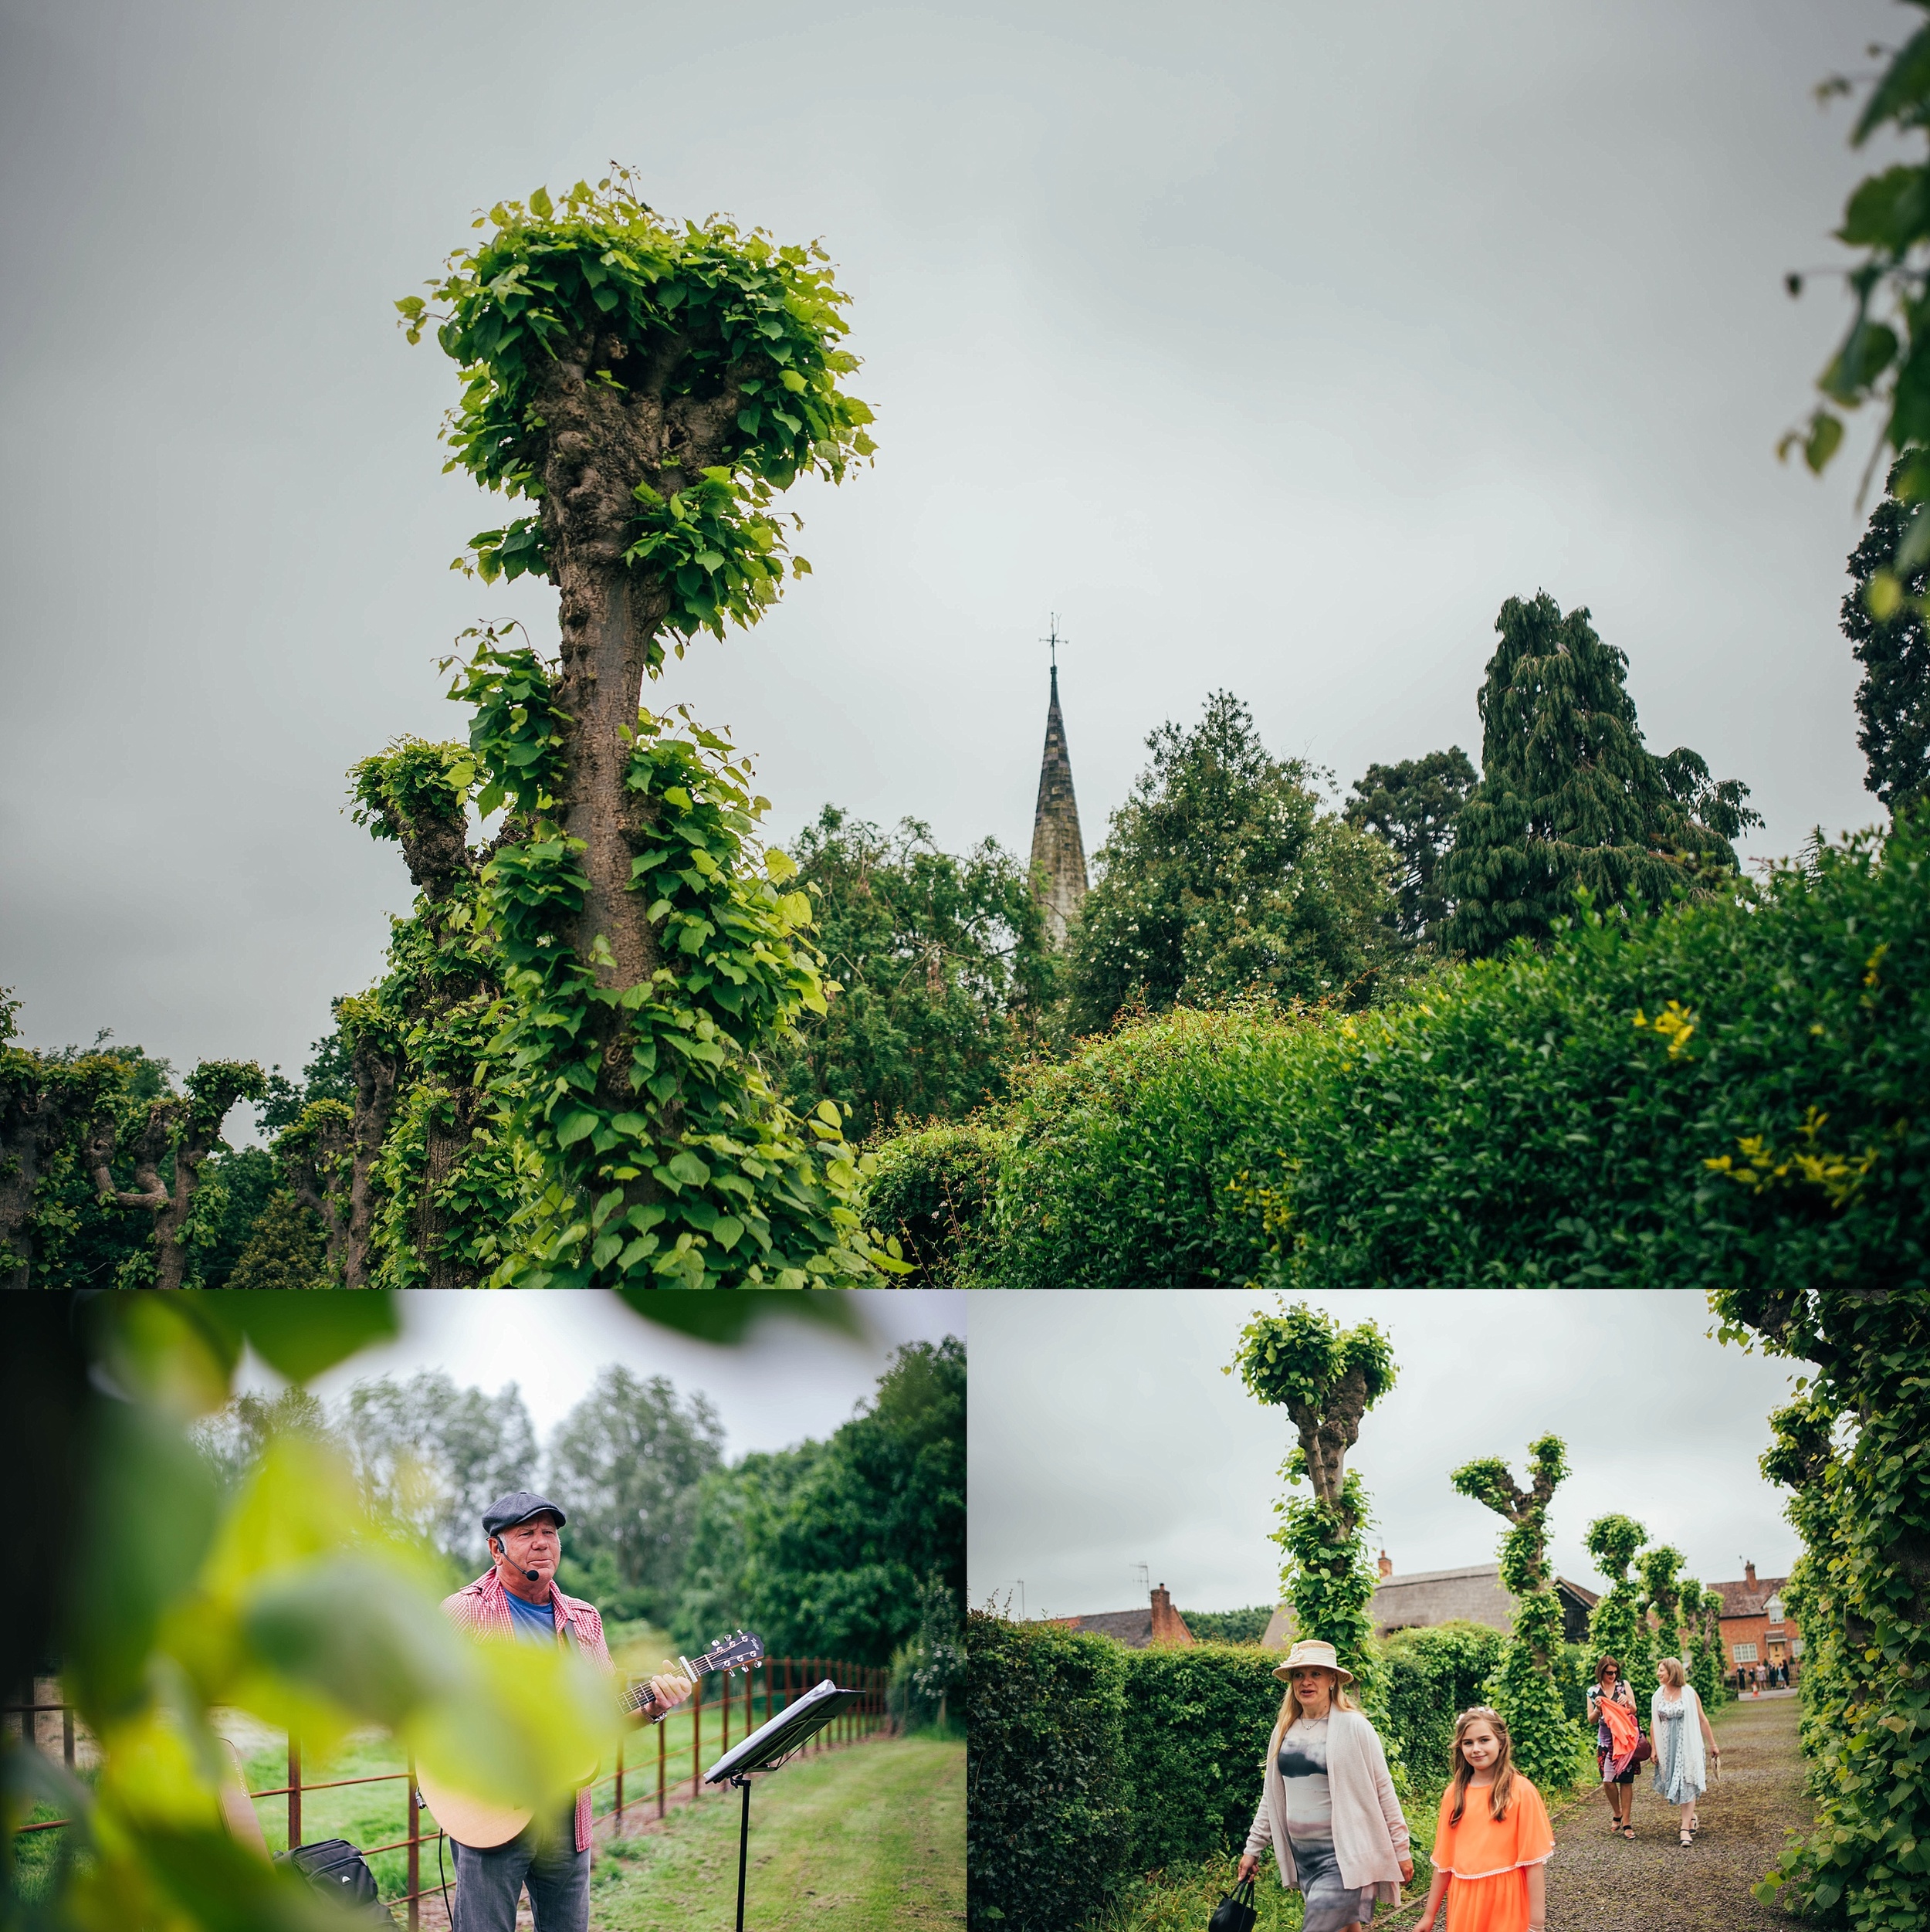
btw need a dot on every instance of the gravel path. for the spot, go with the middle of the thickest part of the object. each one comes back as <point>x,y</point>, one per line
<point>1597,1883</point>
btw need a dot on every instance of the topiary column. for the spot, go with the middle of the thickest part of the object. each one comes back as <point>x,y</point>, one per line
<point>649,386</point>
<point>1327,1378</point>
<point>1617,1629</point>
<point>1547,1747</point>
<point>1663,1593</point>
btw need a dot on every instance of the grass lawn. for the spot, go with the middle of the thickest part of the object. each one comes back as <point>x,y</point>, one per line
<point>862,1840</point>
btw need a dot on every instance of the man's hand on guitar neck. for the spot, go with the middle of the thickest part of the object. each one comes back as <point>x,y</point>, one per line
<point>667,1691</point>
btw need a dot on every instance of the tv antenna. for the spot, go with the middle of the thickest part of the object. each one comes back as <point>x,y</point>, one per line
<point>1146,1579</point>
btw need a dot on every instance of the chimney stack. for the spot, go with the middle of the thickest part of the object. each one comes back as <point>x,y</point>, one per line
<point>1168,1625</point>
<point>1387,1566</point>
<point>1749,1575</point>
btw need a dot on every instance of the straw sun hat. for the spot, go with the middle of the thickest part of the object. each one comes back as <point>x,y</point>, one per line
<point>1309,1652</point>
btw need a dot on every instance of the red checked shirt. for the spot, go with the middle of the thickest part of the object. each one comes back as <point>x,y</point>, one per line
<point>484,1606</point>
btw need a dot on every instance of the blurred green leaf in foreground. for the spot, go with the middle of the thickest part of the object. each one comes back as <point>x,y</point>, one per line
<point>160,1601</point>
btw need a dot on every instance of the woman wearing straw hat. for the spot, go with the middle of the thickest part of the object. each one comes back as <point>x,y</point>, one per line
<point>1328,1807</point>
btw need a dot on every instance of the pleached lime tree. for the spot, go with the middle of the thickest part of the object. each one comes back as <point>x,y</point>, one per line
<point>1617,1629</point>
<point>1547,1745</point>
<point>1326,1377</point>
<point>648,385</point>
<point>1664,1594</point>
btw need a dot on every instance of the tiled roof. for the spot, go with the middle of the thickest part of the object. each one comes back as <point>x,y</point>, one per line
<point>1738,1600</point>
<point>1131,1628</point>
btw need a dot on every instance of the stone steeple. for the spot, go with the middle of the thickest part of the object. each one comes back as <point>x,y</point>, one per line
<point>1058,853</point>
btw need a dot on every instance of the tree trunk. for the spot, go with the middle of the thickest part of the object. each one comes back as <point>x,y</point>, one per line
<point>444,1146</point>
<point>603,438</point>
<point>375,1070</point>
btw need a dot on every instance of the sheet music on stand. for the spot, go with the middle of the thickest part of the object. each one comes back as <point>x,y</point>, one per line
<point>772,1742</point>
<point>767,1747</point>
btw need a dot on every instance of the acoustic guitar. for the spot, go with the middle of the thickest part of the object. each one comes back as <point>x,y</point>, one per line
<point>479,1824</point>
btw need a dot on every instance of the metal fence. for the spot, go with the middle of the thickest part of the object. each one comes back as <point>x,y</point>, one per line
<point>716,1699</point>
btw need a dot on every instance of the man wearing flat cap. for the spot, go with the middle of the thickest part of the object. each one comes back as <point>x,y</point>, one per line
<point>518,1598</point>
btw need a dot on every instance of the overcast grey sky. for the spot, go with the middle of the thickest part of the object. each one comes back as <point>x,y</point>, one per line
<point>1105,1436</point>
<point>1270,344</point>
<point>785,1382</point>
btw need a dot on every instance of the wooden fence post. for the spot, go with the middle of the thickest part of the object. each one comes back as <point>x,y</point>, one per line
<point>696,1731</point>
<point>619,1784</point>
<point>415,1849</point>
<point>294,1792</point>
<point>663,1746</point>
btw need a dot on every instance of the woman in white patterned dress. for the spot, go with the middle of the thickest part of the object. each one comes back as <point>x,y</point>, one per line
<point>1683,1742</point>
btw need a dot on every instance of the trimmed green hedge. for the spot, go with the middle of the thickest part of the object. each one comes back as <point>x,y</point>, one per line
<point>1723,1095</point>
<point>1045,1806</point>
<point>933,1189</point>
<point>1092,1764</point>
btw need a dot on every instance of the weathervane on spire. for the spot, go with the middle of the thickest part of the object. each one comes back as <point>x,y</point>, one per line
<point>1055,639</point>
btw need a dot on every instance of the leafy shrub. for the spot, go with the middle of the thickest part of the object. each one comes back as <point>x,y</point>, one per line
<point>932,1189</point>
<point>1721,1094</point>
<point>1045,1805</point>
<point>1121,1166</point>
<point>1196,1729</point>
<point>1433,1674</point>
<point>1228,1626</point>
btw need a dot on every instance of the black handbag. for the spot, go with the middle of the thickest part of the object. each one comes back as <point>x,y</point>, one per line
<point>1236,1913</point>
<point>337,1869</point>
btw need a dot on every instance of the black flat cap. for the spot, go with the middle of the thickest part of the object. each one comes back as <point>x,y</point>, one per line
<point>518,1506</point>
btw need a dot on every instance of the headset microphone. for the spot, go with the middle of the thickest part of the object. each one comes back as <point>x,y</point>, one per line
<point>529,1575</point>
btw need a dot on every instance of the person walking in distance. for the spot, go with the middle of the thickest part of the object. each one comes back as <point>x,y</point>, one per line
<point>1618,1738</point>
<point>1685,1745</point>
<point>1494,1841</point>
<point>1327,1804</point>
<point>518,1599</point>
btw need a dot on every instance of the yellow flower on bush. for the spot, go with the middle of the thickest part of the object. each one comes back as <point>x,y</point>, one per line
<point>1675,1023</point>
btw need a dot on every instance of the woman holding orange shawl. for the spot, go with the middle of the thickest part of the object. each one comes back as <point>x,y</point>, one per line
<point>1619,1745</point>
<point>1494,1841</point>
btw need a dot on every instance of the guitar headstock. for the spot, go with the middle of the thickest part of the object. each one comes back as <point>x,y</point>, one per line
<point>740,1650</point>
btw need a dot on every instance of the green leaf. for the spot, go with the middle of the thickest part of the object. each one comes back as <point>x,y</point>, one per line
<point>689,1169</point>
<point>574,1127</point>
<point>298,1335</point>
<point>727,1317</point>
<point>540,205</point>
<point>352,1628</point>
<point>149,1519</point>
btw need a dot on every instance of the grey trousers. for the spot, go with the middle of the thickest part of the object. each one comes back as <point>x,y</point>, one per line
<point>488,1884</point>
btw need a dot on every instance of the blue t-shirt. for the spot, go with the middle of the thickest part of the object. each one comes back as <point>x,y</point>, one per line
<point>534,1622</point>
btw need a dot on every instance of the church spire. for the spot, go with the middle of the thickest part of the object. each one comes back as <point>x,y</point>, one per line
<point>1058,853</point>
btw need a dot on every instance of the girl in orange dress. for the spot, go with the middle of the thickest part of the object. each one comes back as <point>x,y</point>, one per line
<point>1494,1842</point>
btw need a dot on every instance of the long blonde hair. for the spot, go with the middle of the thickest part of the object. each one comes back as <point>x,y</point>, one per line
<point>1672,1669</point>
<point>1503,1789</point>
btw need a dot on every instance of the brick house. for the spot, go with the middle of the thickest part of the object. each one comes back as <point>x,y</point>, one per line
<point>1754,1629</point>
<point>1157,1623</point>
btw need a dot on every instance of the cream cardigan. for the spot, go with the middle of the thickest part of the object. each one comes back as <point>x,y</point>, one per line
<point>1369,1833</point>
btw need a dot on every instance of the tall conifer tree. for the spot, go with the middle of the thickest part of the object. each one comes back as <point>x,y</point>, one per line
<point>1569,796</point>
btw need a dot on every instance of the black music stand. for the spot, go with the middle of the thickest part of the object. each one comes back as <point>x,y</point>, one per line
<point>768,1747</point>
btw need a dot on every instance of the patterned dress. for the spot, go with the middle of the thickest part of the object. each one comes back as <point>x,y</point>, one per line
<point>1330,1904</point>
<point>1681,1769</point>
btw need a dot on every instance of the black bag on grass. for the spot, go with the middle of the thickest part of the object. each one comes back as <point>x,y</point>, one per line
<point>1236,1913</point>
<point>338,1870</point>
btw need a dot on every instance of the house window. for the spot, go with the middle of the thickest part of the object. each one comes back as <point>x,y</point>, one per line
<point>1746,1653</point>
